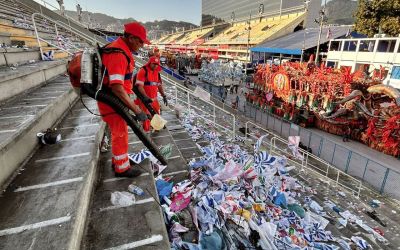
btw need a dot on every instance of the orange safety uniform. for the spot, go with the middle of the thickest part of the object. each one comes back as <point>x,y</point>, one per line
<point>150,81</point>
<point>118,71</point>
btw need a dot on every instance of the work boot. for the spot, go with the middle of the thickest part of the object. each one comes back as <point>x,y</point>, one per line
<point>130,173</point>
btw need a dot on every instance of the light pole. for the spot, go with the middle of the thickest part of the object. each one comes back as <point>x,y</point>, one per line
<point>306,2</point>
<point>280,9</point>
<point>248,42</point>
<point>321,23</point>
<point>304,46</point>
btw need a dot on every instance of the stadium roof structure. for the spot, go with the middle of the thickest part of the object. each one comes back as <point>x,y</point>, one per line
<point>293,43</point>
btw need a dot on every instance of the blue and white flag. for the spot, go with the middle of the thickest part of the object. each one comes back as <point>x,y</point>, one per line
<point>258,144</point>
<point>263,160</point>
<point>141,156</point>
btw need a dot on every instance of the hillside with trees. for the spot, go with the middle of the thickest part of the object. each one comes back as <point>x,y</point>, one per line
<point>103,21</point>
<point>341,11</point>
<point>374,16</point>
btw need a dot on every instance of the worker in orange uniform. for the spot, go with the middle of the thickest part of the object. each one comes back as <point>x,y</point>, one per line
<point>156,52</point>
<point>118,77</point>
<point>149,82</point>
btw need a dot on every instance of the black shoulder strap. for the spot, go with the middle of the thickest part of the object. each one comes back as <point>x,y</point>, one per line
<point>145,73</point>
<point>110,50</point>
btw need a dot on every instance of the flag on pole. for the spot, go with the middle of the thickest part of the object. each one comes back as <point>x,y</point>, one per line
<point>348,33</point>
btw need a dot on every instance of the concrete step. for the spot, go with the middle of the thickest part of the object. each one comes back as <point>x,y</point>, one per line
<point>26,115</point>
<point>45,206</point>
<point>12,56</point>
<point>141,225</point>
<point>16,81</point>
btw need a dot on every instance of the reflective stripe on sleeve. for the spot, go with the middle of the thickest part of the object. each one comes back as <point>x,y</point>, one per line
<point>117,77</point>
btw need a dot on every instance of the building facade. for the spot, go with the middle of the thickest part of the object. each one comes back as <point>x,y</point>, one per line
<point>369,55</point>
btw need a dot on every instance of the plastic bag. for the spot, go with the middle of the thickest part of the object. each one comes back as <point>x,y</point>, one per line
<point>122,199</point>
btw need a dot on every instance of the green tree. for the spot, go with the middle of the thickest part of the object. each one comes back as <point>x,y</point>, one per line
<point>373,16</point>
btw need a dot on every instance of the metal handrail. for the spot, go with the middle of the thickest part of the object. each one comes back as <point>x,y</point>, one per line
<point>70,19</point>
<point>166,78</point>
<point>67,27</point>
<point>306,160</point>
<point>189,94</point>
<point>82,35</point>
<point>306,164</point>
<point>53,45</point>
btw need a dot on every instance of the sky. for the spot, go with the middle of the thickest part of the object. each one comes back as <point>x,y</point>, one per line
<point>141,10</point>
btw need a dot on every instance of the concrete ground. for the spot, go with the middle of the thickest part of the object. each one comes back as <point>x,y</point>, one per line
<point>39,208</point>
<point>141,225</point>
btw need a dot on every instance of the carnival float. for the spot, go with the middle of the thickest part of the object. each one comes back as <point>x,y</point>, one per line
<point>334,100</point>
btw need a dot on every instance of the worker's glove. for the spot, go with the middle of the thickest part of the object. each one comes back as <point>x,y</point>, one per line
<point>165,100</point>
<point>147,100</point>
<point>141,117</point>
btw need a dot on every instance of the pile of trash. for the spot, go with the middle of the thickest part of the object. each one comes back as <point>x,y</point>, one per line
<point>238,197</point>
<point>217,71</point>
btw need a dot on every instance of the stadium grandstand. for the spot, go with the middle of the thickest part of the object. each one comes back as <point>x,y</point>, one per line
<point>231,38</point>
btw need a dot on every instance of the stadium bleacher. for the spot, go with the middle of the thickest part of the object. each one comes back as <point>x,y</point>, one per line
<point>232,41</point>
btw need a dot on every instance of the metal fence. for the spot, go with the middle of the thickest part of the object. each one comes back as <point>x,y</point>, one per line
<point>380,177</point>
<point>308,161</point>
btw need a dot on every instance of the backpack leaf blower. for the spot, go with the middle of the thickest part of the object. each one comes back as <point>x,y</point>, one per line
<point>85,72</point>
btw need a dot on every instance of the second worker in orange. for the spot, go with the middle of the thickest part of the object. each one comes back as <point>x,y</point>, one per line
<point>149,82</point>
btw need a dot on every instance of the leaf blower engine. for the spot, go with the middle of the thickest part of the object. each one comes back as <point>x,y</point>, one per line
<point>86,75</point>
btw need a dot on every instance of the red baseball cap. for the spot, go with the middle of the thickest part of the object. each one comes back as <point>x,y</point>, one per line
<point>138,30</point>
<point>155,60</point>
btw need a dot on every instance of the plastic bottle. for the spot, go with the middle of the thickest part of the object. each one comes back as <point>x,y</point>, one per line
<point>135,190</point>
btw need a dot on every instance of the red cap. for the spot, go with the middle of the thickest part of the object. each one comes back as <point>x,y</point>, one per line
<point>155,60</point>
<point>136,29</point>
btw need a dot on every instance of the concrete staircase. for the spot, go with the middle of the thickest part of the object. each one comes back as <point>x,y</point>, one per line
<point>47,189</point>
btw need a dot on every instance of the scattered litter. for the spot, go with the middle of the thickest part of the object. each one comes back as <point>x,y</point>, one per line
<point>50,136</point>
<point>240,196</point>
<point>157,122</point>
<point>374,216</point>
<point>166,151</point>
<point>122,199</point>
<point>360,242</point>
<point>375,203</point>
<point>105,144</point>
<point>135,190</point>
